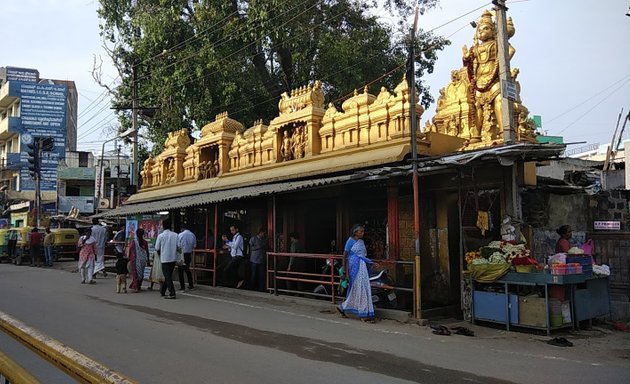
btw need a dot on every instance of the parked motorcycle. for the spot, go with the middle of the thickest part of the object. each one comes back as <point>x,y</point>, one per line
<point>383,293</point>
<point>325,289</point>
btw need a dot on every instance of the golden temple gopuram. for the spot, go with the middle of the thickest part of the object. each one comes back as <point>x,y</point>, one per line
<point>309,137</point>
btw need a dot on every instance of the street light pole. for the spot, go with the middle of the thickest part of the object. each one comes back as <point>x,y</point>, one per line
<point>134,126</point>
<point>99,187</point>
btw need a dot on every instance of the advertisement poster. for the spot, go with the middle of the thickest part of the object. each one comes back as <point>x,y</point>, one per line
<point>152,226</point>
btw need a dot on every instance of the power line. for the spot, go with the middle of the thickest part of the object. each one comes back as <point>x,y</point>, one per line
<point>189,40</point>
<point>341,70</point>
<point>587,100</point>
<point>377,54</point>
<point>225,58</point>
<point>594,106</point>
<point>233,37</point>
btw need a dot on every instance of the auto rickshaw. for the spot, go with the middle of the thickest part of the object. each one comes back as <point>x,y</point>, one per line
<point>4,254</point>
<point>22,246</point>
<point>65,243</point>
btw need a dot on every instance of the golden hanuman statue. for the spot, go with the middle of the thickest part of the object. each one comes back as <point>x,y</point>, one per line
<point>482,67</point>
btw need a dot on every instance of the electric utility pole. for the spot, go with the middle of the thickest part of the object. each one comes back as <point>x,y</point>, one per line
<point>511,202</point>
<point>411,78</point>
<point>508,88</point>
<point>134,125</point>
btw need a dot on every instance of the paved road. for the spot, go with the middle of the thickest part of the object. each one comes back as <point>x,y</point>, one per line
<point>228,336</point>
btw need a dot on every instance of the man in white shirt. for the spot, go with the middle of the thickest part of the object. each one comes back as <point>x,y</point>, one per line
<point>236,251</point>
<point>186,241</point>
<point>99,233</point>
<point>166,247</point>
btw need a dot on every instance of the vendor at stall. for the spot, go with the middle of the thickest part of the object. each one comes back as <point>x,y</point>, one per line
<point>564,242</point>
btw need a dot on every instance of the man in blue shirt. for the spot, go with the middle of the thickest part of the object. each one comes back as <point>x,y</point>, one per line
<point>186,241</point>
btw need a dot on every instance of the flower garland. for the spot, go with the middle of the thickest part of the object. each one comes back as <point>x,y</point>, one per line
<point>500,252</point>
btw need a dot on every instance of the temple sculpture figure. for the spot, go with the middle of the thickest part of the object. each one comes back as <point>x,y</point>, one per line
<point>483,72</point>
<point>470,106</point>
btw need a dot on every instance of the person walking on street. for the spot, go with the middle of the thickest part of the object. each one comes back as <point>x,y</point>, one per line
<point>35,245</point>
<point>236,251</point>
<point>49,241</point>
<point>99,233</point>
<point>187,242</point>
<point>258,248</point>
<point>12,243</point>
<point>359,299</point>
<point>138,254</point>
<point>87,253</point>
<point>166,247</point>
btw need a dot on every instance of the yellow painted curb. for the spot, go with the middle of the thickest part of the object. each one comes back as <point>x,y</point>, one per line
<point>14,372</point>
<point>76,364</point>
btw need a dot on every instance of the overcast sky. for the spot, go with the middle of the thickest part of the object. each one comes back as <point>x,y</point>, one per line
<point>573,58</point>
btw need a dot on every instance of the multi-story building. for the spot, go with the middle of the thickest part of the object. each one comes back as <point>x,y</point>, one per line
<point>76,183</point>
<point>32,108</point>
<point>114,170</point>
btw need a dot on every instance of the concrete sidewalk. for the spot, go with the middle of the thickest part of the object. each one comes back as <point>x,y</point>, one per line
<point>600,341</point>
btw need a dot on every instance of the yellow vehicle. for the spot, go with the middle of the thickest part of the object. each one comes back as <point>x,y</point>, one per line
<point>65,243</point>
<point>4,254</point>
<point>22,246</point>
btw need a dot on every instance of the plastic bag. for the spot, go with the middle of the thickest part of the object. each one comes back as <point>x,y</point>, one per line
<point>558,258</point>
<point>588,247</point>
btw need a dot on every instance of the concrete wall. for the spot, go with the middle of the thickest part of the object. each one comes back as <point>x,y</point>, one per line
<point>545,212</point>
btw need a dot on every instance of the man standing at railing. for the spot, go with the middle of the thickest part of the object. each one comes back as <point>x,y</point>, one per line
<point>236,251</point>
<point>186,241</point>
<point>258,249</point>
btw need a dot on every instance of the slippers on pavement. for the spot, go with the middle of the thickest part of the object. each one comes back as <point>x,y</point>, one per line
<point>440,330</point>
<point>560,342</point>
<point>463,331</point>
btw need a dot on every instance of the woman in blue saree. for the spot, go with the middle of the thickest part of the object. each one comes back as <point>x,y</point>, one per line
<point>359,298</point>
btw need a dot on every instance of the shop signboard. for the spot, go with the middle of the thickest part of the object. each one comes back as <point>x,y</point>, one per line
<point>607,225</point>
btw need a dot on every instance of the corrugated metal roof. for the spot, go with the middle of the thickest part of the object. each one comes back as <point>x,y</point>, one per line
<point>504,154</point>
<point>224,195</point>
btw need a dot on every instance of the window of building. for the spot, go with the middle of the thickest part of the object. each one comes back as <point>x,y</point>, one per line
<point>83,159</point>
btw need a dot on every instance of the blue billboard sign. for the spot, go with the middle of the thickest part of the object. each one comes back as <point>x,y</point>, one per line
<point>22,74</point>
<point>43,114</point>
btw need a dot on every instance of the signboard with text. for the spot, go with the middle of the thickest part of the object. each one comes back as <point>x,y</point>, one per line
<point>43,115</point>
<point>22,74</point>
<point>607,225</point>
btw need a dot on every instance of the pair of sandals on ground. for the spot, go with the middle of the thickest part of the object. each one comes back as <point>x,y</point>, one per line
<point>444,331</point>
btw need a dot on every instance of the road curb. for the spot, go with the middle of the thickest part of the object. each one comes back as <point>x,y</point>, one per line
<point>14,372</point>
<point>76,364</point>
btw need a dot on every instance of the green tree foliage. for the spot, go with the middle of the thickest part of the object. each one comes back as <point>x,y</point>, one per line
<point>195,59</point>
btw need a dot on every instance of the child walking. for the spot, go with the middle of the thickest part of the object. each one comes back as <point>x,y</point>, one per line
<point>121,273</point>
